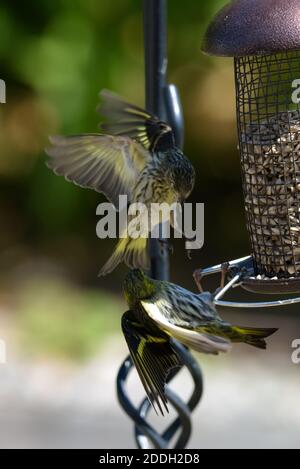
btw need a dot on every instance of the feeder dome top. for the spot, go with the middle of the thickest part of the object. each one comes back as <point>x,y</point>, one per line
<point>254,27</point>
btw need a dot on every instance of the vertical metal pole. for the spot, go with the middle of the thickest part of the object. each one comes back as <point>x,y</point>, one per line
<point>155,39</point>
<point>162,100</point>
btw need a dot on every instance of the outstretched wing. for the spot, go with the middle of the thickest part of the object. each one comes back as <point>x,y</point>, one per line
<point>127,119</point>
<point>177,325</point>
<point>101,162</point>
<point>153,358</point>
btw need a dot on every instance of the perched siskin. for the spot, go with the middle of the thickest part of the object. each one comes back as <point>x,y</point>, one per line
<point>138,158</point>
<point>160,311</point>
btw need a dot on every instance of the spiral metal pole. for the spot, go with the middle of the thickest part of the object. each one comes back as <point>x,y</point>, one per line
<point>146,436</point>
<point>162,100</point>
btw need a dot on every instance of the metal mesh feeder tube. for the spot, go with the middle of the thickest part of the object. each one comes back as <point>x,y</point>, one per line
<point>269,144</point>
<point>265,44</point>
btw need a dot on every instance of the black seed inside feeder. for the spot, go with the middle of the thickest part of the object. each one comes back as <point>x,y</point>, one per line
<point>263,36</point>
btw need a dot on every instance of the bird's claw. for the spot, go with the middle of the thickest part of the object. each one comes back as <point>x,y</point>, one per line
<point>197,276</point>
<point>224,271</point>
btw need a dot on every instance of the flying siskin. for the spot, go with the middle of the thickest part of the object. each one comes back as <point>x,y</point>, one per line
<point>135,156</point>
<point>160,311</point>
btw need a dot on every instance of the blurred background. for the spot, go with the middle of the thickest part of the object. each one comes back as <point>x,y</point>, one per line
<point>61,323</point>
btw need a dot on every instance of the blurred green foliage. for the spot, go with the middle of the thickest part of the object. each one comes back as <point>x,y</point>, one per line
<point>55,318</point>
<point>55,57</point>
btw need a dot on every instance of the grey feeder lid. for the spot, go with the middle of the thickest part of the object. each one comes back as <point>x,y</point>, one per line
<point>254,27</point>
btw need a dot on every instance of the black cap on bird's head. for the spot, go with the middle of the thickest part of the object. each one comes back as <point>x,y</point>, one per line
<point>160,135</point>
<point>137,285</point>
<point>135,275</point>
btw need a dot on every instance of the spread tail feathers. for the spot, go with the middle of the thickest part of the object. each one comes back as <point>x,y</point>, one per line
<point>252,336</point>
<point>133,252</point>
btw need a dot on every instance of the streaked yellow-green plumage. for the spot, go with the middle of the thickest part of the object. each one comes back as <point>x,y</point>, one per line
<point>136,157</point>
<point>163,311</point>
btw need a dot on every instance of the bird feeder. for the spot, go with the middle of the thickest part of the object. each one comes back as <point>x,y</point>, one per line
<point>263,37</point>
